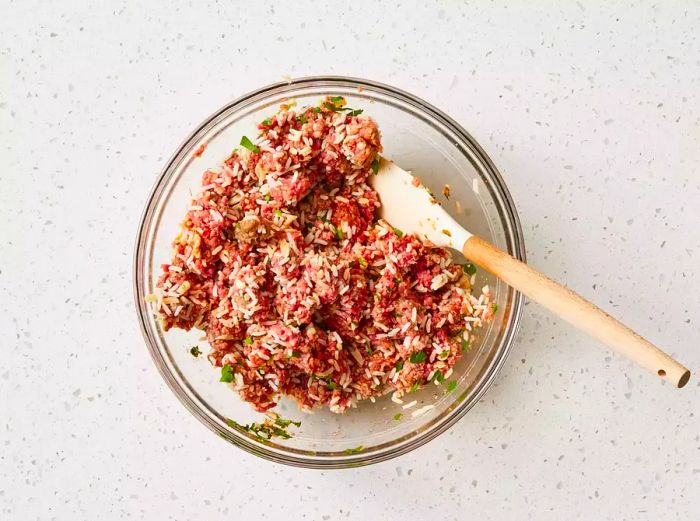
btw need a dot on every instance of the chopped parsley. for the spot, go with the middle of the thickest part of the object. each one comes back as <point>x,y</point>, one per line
<point>248,341</point>
<point>356,450</point>
<point>332,385</point>
<point>398,416</point>
<point>267,122</point>
<point>336,231</point>
<point>438,377</point>
<point>414,387</point>
<point>465,345</point>
<point>444,354</point>
<point>451,386</point>
<point>337,104</point>
<point>494,307</point>
<point>368,348</point>
<point>316,110</point>
<point>247,143</point>
<point>226,374</point>
<point>375,166</point>
<point>399,365</point>
<point>267,198</point>
<point>286,423</point>
<point>303,119</point>
<point>278,212</point>
<point>194,351</point>
<point>398,232</point>
<point>362,262</point>
<point>294,354</point>
<point>418,357</point>
<point>268,429</point>
<point>469,268</point>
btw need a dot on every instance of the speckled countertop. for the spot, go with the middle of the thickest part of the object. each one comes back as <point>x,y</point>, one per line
<point>592,114</point>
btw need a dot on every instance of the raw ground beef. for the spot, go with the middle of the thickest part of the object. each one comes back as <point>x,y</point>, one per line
<point>300,289</point>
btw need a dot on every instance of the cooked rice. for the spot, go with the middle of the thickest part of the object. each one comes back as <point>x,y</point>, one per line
<point>300,289</point>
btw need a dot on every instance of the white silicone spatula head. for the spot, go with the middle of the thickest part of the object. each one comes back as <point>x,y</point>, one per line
<point>409,206</point>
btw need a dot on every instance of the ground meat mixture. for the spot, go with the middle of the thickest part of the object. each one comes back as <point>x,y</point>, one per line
<point>300,289</point>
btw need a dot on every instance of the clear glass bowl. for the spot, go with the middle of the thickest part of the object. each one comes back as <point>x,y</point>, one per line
<point>418,137</point>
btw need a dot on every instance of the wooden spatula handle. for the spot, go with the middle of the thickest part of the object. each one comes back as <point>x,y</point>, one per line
<point>575,309</point>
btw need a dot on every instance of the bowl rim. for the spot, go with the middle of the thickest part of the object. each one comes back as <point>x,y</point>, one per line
<point>476,155</point>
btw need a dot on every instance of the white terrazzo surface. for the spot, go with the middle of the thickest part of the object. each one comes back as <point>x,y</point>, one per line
<point>591,112</point>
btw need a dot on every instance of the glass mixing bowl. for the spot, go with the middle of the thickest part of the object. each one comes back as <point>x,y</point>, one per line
<point>418,137</point>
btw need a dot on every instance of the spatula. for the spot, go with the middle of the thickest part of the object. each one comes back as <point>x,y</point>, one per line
<point>407,205</point>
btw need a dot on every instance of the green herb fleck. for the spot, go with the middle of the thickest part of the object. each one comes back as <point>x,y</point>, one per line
<point>465,345</point>
<point>375,166</point>
<point>267,122</point>
<point>316,110</point>
<point>330,106</point>
<point>248,341</point>
<point>414,387</point>
<point>418,357</point>
<point>451,386</point>
<point>469,268</point>
<point>399,365</point>
<point>362,262</point>
<point>438,377</point>
<point>398,232</point>
<point>338,232</point>
<point>194,351</point>
<point>267,198</point>
<point>294,354</point>
<point>267,429</point>
<point>286,423</point>
<point>278,212</point>
<point>247,143</point>
<point>303,119</point>
<point>398,416</point>
<point>268,432</point>
<point>332,385</point>
<point>494,307</point>
<point>368,348</point>
<point>355,112</point>
<point>337,99</point>
<point>356,450</point>
<point>226,374</point>
<point>444,354</point>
